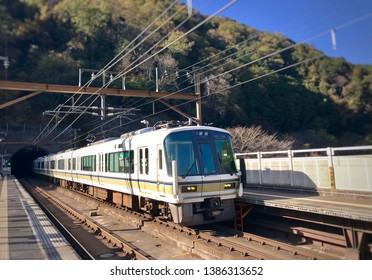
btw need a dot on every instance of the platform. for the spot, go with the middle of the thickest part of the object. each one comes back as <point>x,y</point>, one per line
<point>26,233</point>
<point>331,205</point>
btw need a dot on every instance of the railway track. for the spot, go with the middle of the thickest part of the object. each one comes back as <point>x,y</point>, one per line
<point>128,249</point>
<point>214,242</point>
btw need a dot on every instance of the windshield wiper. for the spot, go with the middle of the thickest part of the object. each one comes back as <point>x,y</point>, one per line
<point>188,170</point>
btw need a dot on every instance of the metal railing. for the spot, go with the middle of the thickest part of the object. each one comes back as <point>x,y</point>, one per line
<point>344,168</point>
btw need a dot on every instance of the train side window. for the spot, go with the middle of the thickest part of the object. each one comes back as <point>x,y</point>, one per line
<point>121,161</point>
<point>113,162</point>
<point>160,159</point>
<point>131,167</point>
<point>141,160</point>
<point>128,161</point>
<point>147,161</point>
<point>52,164</point>
<point>74,164</point>
<point>88,163</point>
<point>94,163</point>
<point>100,162</point>
<point>106,162</point>
<point>61,164</point>
<point>84,163</point>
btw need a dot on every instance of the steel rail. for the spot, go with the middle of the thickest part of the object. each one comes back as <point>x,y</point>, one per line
<point>111,237</point>
<point>78,247</point>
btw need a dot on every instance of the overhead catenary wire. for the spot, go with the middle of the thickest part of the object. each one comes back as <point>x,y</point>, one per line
<point>341,26</point>
<point>231,87</point>
<point>246,65</point>
<point>168,45</point>
<point>107,67</point>
<point>191,72</point>
<point>117,58</point>
<point>125,71</point>
<point>197,70</point>
<point>177,39</point>
<point>217,92</point>
<point>239,67</point>
<point>112,63</point>
<point>247,81</point>
<point>327,32</point>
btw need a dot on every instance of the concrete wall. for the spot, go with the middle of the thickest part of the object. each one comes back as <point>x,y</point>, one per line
<point>348,168</point>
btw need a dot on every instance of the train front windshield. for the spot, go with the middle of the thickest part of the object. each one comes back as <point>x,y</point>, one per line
<point>200,152</point>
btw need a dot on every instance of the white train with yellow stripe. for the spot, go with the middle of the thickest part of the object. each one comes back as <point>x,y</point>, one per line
<point>184,173</point>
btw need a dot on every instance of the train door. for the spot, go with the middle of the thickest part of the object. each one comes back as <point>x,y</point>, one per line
<point>69,169</point>
<point>159,170</point>
<point>73,168</point>
<point>100,167</point>
<point>143,168</point>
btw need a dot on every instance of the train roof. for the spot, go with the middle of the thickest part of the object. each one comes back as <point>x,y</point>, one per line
<point>164,129</point>
<point>103,141</point>
<point>168,129</point>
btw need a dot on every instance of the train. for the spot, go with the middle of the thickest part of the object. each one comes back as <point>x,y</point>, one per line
<point>183,173</point>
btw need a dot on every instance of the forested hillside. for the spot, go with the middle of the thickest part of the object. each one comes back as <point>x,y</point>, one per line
<point>321,101</point>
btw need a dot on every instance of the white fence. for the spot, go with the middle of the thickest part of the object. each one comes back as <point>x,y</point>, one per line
<point>347,168</point>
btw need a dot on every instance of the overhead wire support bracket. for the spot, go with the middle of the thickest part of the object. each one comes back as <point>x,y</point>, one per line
<point>68,109</point>
<point>95,73</point>
<point>6,61</point>
<point>189,7</point>
<point>333,37</point>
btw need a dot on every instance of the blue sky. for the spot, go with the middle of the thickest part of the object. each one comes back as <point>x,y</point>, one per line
<point>301,20</point>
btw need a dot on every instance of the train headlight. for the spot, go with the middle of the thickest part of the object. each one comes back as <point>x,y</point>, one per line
<point>230,186</point>
<point>189,188</point>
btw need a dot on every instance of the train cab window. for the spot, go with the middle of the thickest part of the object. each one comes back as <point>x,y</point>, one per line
<point>180,147</point>
<point>225,153</point>
<point>206,151</point>
<point>200,152</point>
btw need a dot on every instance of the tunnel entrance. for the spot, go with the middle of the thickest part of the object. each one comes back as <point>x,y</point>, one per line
<point>21,161</point>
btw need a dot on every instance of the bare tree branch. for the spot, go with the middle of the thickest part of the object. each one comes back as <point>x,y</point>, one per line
<point>254,138</point>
